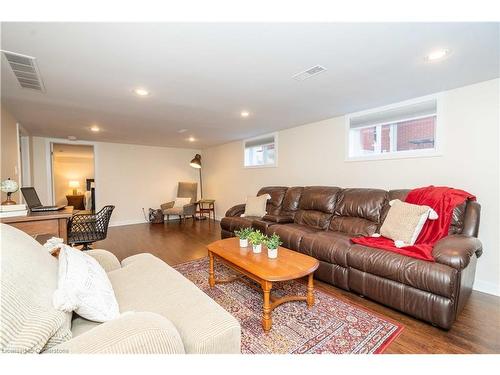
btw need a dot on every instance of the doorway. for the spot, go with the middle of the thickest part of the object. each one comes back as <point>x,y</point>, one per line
<point>73,172</point>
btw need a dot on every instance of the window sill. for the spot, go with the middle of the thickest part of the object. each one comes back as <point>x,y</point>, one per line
<point>390,156</point>
<point>260,166</point>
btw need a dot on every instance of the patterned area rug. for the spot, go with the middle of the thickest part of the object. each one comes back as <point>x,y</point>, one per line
<point>331,326</point>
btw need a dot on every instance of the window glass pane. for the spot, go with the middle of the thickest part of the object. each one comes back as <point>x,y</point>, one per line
<point>260,152</point>
<point>416,134</point>
<point>363,141</point>
<point>409,135</point>
<point>400,129</point>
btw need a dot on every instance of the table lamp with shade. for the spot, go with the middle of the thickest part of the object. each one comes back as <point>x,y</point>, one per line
<point>9,186</point>
<point>75,185</point>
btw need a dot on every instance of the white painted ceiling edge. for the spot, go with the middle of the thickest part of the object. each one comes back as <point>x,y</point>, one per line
<point>202,76</point>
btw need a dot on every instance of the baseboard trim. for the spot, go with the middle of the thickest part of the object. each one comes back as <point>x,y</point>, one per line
<point>487,287</point>
<point>127,222</point>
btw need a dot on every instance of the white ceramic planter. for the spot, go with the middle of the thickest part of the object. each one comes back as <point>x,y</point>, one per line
<point>272,253</point>
<point>244,243</point>
<point>257,248</point>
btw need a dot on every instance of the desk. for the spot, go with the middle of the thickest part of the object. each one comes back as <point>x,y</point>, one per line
<point>43,223</point>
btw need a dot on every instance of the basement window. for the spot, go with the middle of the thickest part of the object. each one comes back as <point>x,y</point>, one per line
<point>261,151</point>
<point>403,130</point>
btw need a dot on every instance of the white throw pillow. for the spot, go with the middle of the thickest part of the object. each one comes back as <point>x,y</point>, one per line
<point>405,221</point>
<point>181,202</point>
<point>84,287</point>
<point>256,206</point>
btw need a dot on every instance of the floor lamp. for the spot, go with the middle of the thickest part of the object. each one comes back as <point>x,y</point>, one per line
<point>196,163</point>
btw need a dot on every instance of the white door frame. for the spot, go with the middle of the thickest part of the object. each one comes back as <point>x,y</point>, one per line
<point>48,152</point>
<point>25,160</point>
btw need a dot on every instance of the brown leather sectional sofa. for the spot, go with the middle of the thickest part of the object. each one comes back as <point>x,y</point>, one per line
<point>320,220</point>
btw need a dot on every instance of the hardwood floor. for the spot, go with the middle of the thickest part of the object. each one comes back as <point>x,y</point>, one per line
<point>477,329</point>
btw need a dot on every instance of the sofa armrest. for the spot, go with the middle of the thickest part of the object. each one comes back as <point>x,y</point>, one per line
<point>131,333</point>
<point>278,219</point>
<point>236,210</point>
<point>106,259</point>
<point>456,250</point>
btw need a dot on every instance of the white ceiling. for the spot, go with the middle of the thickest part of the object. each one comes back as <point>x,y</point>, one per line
<point>202,75</point>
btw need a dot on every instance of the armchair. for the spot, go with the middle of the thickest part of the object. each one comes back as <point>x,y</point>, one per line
<point>184,190</point>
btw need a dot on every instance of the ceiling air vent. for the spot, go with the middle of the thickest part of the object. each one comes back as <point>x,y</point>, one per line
<point>309,73</point>
<point>25,70</point>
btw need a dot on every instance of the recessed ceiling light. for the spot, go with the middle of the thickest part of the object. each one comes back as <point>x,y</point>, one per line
<point>94,128</point>
<point>244,114</point>
<point>191,139</point>
<point>141,92</point>
<point>437,54</point>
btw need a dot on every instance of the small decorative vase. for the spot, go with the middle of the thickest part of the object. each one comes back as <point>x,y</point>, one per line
<point>272,253</point>
<point>257,248</point>
<point>243,242</point>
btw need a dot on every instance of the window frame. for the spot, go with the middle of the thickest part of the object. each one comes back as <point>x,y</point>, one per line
<point>437,150</point>
<point>275,164</point>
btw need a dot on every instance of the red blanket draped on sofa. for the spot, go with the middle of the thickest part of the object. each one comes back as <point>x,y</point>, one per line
<point>440,198</point>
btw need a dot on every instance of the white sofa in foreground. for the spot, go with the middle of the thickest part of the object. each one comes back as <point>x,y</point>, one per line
<point>162,311</point>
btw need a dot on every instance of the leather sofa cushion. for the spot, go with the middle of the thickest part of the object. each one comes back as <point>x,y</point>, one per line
<point>331,247</point>
<point>362,203</point>
<point>314,219</point>
<point>277,194</point>
<point>319,198</point>
<point>233,223</point>
<point>316,206</point>
<point>429,276</point>
<point>278,219</point>
<point>354,226</point>
<point>358,212</point>
<point>291,234</point>
<point>291,200</point>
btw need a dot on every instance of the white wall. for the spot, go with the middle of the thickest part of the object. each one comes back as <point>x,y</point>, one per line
<point>128,176</point>
<point>314,154</point>
<point>9,155</point>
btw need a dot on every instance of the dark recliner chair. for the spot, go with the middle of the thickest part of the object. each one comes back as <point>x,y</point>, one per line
<point>85,229</point>
<point>320,221</point>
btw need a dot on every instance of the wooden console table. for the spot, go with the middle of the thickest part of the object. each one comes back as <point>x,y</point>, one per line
<point>54,223</point>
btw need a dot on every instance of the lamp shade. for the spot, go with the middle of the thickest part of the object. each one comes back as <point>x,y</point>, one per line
<point>74,184</point>
<point>196,162</point>
<point>9,186</point>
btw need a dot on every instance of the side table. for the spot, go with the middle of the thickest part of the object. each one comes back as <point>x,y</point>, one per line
<point>206,206</point>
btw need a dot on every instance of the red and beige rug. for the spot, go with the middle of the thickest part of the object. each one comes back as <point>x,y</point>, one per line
<point>331,326</point>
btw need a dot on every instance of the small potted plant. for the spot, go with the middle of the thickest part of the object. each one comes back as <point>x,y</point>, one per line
<point>272,244</point>
<point>243,234</point>
<point>257,239</point>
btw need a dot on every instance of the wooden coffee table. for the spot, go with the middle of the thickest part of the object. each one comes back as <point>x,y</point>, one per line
<point>289,265</point>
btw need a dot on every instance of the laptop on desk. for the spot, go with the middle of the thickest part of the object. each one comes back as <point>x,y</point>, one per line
<point>33,202</point>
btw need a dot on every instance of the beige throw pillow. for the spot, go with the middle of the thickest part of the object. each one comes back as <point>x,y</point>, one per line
<point>256,206</point>
<point>181,202</point>
<point>405,221</point>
